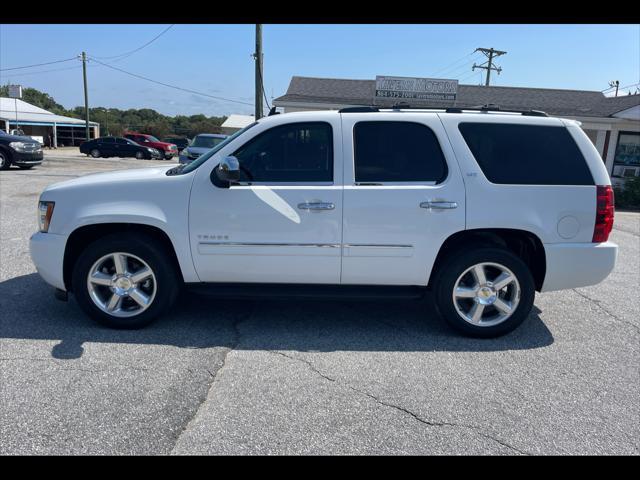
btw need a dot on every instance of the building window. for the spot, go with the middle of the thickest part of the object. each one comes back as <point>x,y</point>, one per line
<point>628,149</point>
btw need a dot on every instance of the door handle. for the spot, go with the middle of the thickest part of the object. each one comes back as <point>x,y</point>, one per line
<point>439,205</point>
<point>316,206</point>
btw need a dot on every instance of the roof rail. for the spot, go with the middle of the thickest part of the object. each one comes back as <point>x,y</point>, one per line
<point>358,109</point>
<point>483,109</point>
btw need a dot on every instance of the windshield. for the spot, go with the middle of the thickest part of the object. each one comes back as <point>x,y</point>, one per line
<point>202,141</point>
<point>206,156</point>
<point>151,138</point>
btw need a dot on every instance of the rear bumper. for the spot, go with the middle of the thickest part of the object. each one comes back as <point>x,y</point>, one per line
<point>572,265</point>
<point>47,254</point>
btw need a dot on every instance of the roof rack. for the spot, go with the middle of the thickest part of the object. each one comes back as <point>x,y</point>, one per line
<point>482,109</point>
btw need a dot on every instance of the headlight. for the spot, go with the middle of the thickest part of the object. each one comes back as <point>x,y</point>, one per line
<point>152,150</point>
<point>25,147</point>
<point>45,211</point>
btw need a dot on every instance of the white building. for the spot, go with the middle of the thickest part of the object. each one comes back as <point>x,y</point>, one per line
<point>612,123</point>
<point>38,122</point>
<point>235,122</point>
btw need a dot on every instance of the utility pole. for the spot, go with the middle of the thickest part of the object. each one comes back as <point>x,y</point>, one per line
<point>615,83</point>
<point>86,94</point>
<point>490,53</point>
<point>258,58</point>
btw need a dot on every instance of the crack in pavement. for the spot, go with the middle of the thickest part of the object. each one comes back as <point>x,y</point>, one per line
<point>406,411</point>
<point>597,303</point>
<point>215,375</point>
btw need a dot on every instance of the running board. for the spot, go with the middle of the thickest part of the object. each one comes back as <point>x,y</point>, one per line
<point>291,290</point>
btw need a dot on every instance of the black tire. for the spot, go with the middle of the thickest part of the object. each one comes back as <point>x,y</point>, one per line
<point>25,167</point>
<point>167,156</point>
<point>95,153</point>
<point>5,161</point>
<point>150,251</point>
<point>140,155</point>
<point>456,264</point>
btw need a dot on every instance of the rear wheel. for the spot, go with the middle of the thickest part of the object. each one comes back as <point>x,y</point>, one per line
<point>95,153</point>
<point>125,281</point>
<point>485,292</point>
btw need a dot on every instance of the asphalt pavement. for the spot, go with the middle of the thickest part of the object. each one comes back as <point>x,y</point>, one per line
<point>309,377</point>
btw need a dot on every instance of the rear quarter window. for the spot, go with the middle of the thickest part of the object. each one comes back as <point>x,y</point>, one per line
<point>526,154</point>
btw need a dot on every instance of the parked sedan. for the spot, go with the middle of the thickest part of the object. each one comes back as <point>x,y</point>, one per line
<point>118,147</point>
<point>201,143</point>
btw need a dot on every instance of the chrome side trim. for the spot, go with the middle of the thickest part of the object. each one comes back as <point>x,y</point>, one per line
<point>242,244</point>
<point>347,245</point>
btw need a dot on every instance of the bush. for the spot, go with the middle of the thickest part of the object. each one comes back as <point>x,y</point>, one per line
<point>629,195</point>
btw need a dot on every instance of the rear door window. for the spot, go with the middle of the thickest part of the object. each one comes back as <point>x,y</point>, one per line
<point>397,152</point>
<point>526,154</point>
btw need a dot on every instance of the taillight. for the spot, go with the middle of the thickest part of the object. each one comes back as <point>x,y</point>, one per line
<point>604,213</point>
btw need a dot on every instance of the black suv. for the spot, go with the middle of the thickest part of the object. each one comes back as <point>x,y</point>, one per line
<point>23,152</point>
<point>118,147</point>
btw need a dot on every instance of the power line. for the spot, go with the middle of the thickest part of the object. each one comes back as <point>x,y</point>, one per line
<point>442,70</point>
<point>126,54</point>
<point>171,86</point>
<point>38,64</point>
<point>460,71</point>
<point>621,88</point>
<point>42,71</point>
<point>473,74</point>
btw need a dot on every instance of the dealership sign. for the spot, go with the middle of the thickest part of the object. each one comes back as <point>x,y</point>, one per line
<point>407,88</point>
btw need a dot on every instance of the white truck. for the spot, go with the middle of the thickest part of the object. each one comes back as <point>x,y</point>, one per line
<point>482,208</point>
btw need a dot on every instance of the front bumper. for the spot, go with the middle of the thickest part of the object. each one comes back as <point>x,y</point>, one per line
<point>19,158</point>
<point>572,265</point>
<point>47,254</point>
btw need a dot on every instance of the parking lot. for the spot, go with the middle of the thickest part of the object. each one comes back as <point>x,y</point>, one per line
<point>309,377</point>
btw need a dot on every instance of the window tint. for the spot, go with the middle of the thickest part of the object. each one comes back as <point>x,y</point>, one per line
<point>397,152</point>
<point>122,141</point>
<point>526,154</point>
<point>297,152</point>
<point>107,140</point>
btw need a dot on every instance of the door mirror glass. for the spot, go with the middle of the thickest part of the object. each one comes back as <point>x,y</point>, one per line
<point>227,171</point>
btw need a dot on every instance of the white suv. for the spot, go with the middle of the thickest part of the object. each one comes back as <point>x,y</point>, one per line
<point>481,207</point>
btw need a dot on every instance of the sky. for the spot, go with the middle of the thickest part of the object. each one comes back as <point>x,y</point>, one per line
<point>216,59</point>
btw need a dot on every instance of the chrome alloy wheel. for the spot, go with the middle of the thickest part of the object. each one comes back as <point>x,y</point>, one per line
<point>121,284</point>
<point>486,294</point>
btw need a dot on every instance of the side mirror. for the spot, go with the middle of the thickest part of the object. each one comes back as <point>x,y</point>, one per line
<point>227,171</point>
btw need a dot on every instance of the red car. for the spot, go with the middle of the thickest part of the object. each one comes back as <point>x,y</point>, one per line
<point>169,150</point>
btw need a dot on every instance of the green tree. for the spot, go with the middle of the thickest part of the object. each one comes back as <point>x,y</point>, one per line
<point>114,121</point>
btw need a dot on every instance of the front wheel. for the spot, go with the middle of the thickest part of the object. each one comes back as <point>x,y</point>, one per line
<point>139,155</point>
<point>125,281</point>
<point>5,163</point>
<point>485,292</point>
